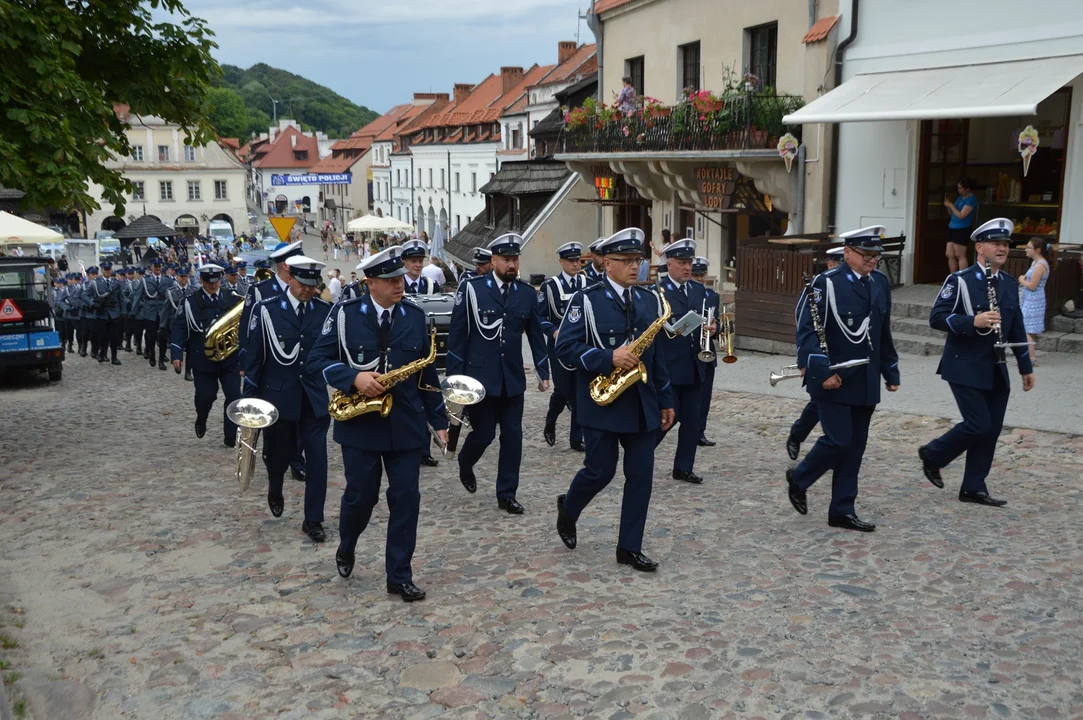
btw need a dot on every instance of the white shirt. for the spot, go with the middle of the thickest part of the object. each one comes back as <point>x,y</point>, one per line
<point>294,302</point>
<point>379,310</point>
<point>335,287</point>
<point>617,288</point>
<point>571,280</point>
<point>434,274</point>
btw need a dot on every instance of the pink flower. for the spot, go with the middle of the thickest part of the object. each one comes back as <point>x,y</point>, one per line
<point>627,132</point>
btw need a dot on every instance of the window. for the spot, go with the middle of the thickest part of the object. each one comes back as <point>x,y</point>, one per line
<point>430,177</point>
<point>189,153</point>
<point>398,178</point>
<point>165,189</point>
<point>457,182</point>
<point>193,190</point>
<point>633,68</point>
<point>763,53</point>
<point>457,225</point>
<point>163,153</point>
<point>473,182</point>
<point>516,139</point>
<point>441,178</point>
<point>137,153</point>
<point>418,183</point>
<point>220,190</point>
<point>300,154</point>
<point>690,66</point>
<point>139,190</point>
<point>376,189</point>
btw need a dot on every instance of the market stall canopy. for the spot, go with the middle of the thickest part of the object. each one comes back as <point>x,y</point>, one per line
<point>966,91</point>
<point>145,227</point>
<point>15,230</point>
<point>373,223</point>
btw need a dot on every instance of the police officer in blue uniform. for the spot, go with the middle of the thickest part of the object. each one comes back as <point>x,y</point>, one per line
<point>135,323</point>
<point>975,369</point>
<point>173,300</point>
<point>700,266</point>
<point>600,323</point>
<point>483,263</point>
<point>81,300</point>
<point>853,303</point>
<point>199,311</point>
<point>552,302</point>
<point>243,280</point>
<point>595,268</point>
<point>354,289</point>
<point>105,294</point>
<point>485,341</point>
<point>56,301</point>
<point>413,257</point>
<point>687,372</point>
<point>147,308</point>
<point>70,309</point>
<point>282,331</point>
<point>232,282</point>
<point>360,340</point>
<point>809,418</point>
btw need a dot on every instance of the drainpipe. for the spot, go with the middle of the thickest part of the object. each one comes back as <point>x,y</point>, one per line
<point>448,186</point>
<point>412,200</point>
<point>595,25</point>
<point>840,51</point>
<point>798,223</point>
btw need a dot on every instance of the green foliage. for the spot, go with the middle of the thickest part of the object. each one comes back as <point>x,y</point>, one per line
<point>229,116</point>
<point>314,106</point>
<point>64,65</point>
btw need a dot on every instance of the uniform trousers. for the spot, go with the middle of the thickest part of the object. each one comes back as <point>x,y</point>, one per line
<point>840,450</point>
<point>279,445</point>
<point>108,332</point>
<point>484,417</point>
<point>86,335</point>
<point>363,474</point>
<point>983,418</point>
<point>207,381</point>
<point>706,393</point>
<point>153,334</point>
<point>599,467</point>
<point>686,407</point>
<point>563,396</point>
<point>68,337</point>
<point>806,422</point>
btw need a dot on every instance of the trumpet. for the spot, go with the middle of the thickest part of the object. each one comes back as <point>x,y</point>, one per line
<point>727,331</point>
<point>789,372</point>
<point>706,353</point>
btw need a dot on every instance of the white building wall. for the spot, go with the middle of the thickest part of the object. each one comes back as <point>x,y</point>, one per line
<point>382,176</point>
<point>402,187</point>
<point>475,160</point>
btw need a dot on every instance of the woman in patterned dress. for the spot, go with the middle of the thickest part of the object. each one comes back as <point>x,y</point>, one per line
<point>1032,301</point>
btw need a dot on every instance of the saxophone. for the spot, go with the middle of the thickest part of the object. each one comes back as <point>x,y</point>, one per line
<point>604,389</point>
<point>347,406</point>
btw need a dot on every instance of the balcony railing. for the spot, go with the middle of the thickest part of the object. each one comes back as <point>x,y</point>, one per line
<point>743,122</point>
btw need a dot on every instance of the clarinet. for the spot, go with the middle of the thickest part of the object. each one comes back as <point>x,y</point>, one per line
<point>814,311</point>
<point>994,307</point>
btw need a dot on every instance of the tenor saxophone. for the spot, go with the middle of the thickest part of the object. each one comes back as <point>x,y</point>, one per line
<point>347,406</point>
<point>604,389</point>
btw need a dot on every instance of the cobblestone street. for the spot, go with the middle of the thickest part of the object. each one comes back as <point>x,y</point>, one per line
<point>136,583</point>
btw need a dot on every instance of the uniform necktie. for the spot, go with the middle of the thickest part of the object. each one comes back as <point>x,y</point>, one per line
<point>684,290</point>
<point>385,321</point>
<point>504,291</point>
<point>301,311</point>
<point>413,287</point>
<point>627,297</point>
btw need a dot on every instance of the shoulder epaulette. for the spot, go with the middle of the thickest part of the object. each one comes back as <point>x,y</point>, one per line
<point>594,287</point>
<point>321,301</point>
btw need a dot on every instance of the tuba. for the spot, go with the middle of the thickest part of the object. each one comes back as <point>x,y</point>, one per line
<point>604,389</point>
<point>251,415</point>
<point>459,391</point>
<point>223,337</point>
<point>347,406</point>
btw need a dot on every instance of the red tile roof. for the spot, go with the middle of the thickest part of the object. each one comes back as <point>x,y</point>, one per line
<point>583,62</point>
<point>334,164</point>
<point>404,121</point>
<point>230,142</point>
<point>820,29</point>
<point>487,102</point>
<point>606,5</point>
<point>281,152</point>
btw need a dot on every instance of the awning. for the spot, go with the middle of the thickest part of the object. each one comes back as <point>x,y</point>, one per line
<point>329,203</point>
<point>965,91</point>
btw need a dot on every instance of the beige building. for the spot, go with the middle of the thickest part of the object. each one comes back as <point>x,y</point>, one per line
<point>708,168</point>
<point>183,186</point>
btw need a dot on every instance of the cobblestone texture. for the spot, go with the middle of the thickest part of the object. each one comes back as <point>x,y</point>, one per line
<point>142,577</point>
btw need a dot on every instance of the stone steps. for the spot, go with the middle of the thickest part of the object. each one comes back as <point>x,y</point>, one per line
<point>916,326</point>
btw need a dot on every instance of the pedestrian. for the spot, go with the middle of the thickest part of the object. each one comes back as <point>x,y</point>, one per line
<point>62,264</point>
<point>626,100</point>
<point>334,242</point>
<point>346,249</point>
<point>434,273</point>
<point>1032,301</point>
<point>963,213</point>
<point>334,286</point>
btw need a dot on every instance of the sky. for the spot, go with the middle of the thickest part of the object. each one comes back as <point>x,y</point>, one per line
<point>378,53</point>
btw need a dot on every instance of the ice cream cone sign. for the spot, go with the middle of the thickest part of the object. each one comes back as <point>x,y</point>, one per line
<point>1028,145</point>
<point>787,149</point>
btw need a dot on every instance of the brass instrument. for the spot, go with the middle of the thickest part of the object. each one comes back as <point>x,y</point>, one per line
<point>604,389</point>
<point>459,391</point>
<point>251,415</point>
<point>727,331</point>
<point>223,338</point>
<point>347,406</point>
<point>262,274</point>
<point>789,372</point>
<point>706,353</point>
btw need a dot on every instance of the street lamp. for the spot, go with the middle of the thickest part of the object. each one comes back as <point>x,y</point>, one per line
<point>274,107</point>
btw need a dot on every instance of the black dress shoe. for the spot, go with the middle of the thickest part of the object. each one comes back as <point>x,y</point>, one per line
<point>687,476</point>
<point>344,562</point>
<point>932,472</point>
<point>82,353</point>
<point>850,522</point>
<point>127,348</point>
<point>298,474</point>
<point>151,359</point>
<point>793,447</point>
<point>276,503</point>
<point>102,358</point>
<point>565,525</point>
<point>637,560</point>
<point>161,366</point>
<point>229,443</point>
<point>429,461</point>
<point>797,495</point>
<point>201,427</point>
<point>704,442</point>
<point>511,505</point>
<point>407,591</point>
<point>579,446</point>
<point>469,481</point>
<point>981,498</point>
<point>116,362</point>
<point>188,375</point>
<point>314,530</point>
<point>550,435</point>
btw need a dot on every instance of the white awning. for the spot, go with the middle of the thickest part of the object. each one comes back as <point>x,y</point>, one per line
<point>965,91</point>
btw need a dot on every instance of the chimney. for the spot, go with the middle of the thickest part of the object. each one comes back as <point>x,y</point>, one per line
<point>293,141</point>
<point>565,50</point>
<point>462,90</point>
<point>510,76</point>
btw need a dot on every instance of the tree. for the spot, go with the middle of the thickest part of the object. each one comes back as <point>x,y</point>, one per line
<point>228,113</point>
<point>66,65</point>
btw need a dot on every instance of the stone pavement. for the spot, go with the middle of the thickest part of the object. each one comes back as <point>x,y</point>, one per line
<point>135,583</point>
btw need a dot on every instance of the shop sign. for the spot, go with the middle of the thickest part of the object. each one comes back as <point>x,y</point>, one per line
<point>605,186</point>
<point>716,186</point>
<point>186,221</point>
<point>312,179</point>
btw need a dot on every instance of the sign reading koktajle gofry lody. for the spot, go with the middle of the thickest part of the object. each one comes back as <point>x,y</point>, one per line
<point>313,179</point>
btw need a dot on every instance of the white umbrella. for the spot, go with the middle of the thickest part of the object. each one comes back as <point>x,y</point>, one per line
<point>16,231</point>
<point>436,248</point>
<point>374,223</point>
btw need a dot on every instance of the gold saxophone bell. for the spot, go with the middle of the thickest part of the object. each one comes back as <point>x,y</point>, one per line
<point>347,406</point>
<point>250,415</point>
<point>223,337</point>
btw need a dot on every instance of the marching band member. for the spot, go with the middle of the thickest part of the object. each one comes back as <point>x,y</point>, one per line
<point>975,370</point>
<point>57,300</point>
<point>847,318</point>
<point>360,340</point>
<point>88,314</point>
<point>809,418</point>
<point>281,333</point>
<point>354,290</point>
<point>173,300</point>
<point>700,265</point>
<point>105,298</point>
<point>485,341</point>
<point>243,280</point>
<point>686,371</point>
<point>600,323</point>
<point>148,299</point>
<point>553,297</point>
<point>595,269</point>
<point>483,263</point>
<point>413,257</point>
<point>198,312</point>
<point>232,281</point>
<point>70,307</point>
